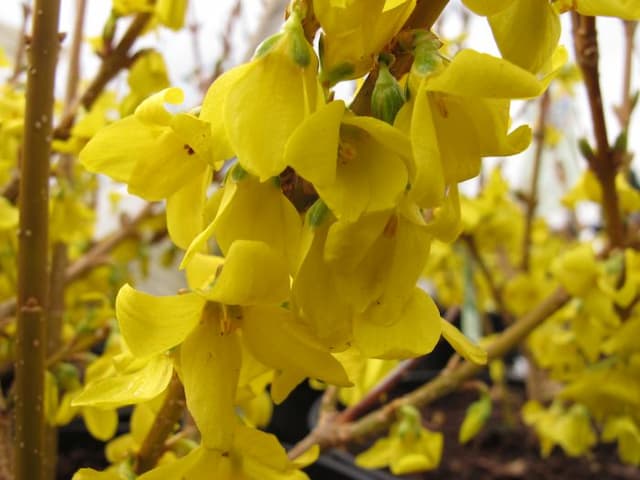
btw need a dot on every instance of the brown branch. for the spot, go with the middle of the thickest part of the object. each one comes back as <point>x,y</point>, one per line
<point>623,111</point>
<point>448,381</point>
<point>605,161</point>
<point>169,414</point>
<point>33,237</point>
<point>115,60</point>
<point>532,199</point>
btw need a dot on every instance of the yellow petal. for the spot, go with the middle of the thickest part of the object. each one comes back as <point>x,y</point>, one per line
<point>213,112</point>
<point>318,298</point>
<point>209,354</point>
<point>129,388</point>
<point>527,33</point>
<point>171,13</point>
<point>150,325</point>
<point>252,274</point>
<point>475,74</point>
<point>487,7</point>
<point>251,210</point>
<point>415,333</point>
<point>277,341</point>
<point>462,344</point>
<point>102,424</point>
<point>627,9</point>
<point>202,270</point>
<point>185,210</point>
<point>313,159</point>
<point>263,109</point>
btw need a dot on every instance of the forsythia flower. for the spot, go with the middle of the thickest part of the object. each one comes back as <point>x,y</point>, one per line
<point>409,448</point>
<point>254,108</point>
<point>177,148</point>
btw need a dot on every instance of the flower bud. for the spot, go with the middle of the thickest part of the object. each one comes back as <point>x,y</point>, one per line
<point>387,97</point>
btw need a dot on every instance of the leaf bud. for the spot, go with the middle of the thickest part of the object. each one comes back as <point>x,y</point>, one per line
<point>620,144</point>
<point>585,149</point>
<point>67,376</point>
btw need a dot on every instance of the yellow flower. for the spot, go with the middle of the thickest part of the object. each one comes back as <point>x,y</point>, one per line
<point>355,31</point>
<point>470,97</point>
<point>147,75</point>
<point>626,432</point>
<point>254,282</point>
<point>571,429</point>
<point>254,108</point>
<point>409,448</point>
<point>249,210</point>
<point>177,148</point>
<point>358,167</point>
<point>250,455</point>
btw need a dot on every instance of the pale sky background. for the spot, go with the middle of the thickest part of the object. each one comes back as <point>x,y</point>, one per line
<point>212,17</point>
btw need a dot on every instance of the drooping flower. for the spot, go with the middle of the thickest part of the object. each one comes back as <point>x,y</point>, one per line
<point>358,167</point>
<point>177,148</point>
<point>254,108</point>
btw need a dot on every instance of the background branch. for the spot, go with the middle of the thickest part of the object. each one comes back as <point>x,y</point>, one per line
<point>605,161</point>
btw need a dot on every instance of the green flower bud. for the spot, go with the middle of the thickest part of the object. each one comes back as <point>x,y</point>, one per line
<point>387,97</point>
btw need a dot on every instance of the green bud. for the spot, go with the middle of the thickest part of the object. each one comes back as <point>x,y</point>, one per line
<point>620,144</point>
<point>267,45</point>
<point>67,376</point>
<point>238,173</point>
<point>476,416</point>
<point>317,213</point>
<point>300,50</point>
<point>634,100</point>
<point>426,56</point>
<point>387,97</point>
<point>585,149</point>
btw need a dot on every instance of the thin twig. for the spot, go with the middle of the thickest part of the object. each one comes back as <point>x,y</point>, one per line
<point>623,111</point>
<point>116,60</point>
<point>226,44</point>
<point>605,161</point>
<point>22,44</point>
<point>532,199</point>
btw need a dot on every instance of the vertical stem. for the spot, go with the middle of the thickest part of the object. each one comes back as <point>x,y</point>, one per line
<point>624,110</point>
<point>532,200</point>
<point>604,162</point>
<point>33,281</point>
